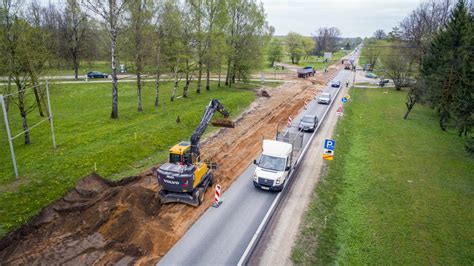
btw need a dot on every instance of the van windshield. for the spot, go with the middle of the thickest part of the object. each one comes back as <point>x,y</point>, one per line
<point>272,163</point>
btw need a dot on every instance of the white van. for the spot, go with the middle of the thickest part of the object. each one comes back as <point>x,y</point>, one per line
<point>273,166</point>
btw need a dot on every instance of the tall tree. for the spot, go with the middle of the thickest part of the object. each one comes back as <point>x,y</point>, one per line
<point>395,34</point>
<point>171,42</point>
<point>418,28</point>
<point>140,16</point>
<point>111,11</point>
<point>294,46</point>
<point>73,27</point>
<point>326,39</point>
<point>25,54</point>
<point>372,54</point>
<point>247,35</point>
<point>190,46</point>
<point>196,12</point>
<point>447,70</point>
<point>308,46</point>
<point>275,52</point>
<point>380,34</point>
<point>397,64</point>
<point>215,19</point>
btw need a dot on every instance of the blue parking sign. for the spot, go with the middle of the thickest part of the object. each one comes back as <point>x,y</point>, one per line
<point>329,144</point>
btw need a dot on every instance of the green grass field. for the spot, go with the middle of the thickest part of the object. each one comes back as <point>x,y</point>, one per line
<point>318,61</point>
<point>398,192</point>
<point>86,137</point>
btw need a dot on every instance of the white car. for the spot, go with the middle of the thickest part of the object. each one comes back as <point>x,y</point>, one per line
<point>324,98</point>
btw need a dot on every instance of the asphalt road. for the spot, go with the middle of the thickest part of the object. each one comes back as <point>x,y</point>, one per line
<point>221,235</point>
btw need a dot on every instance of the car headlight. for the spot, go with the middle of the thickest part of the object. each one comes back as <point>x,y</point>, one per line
<point>278,181</point>
<point>255,177</point>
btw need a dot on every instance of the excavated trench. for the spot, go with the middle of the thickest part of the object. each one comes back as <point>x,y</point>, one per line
<point>103,222</point>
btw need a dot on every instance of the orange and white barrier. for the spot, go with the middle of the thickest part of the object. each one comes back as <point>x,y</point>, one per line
<point>306,104</point>
<point>217,201</point>
<point>290,119</point>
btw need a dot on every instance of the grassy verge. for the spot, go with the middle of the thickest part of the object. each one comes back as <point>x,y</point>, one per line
<point>398,192</point>
<point>87,137</point>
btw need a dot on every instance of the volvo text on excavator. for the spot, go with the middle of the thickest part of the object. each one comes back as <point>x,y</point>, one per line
<point>186,177</point>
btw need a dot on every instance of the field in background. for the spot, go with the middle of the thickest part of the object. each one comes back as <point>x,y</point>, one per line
<point>318,61</point>
<point>86,137</point>
<point>315,61</point>
<point>398,192</point>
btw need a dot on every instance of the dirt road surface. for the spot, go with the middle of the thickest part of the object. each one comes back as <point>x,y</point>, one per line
<point>103,222</point>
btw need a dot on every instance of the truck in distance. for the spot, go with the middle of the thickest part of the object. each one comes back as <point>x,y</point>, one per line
<point>306,72</point>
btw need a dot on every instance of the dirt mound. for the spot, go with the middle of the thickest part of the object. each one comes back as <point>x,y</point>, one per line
<point>96,221</point>
<point>103,222</point>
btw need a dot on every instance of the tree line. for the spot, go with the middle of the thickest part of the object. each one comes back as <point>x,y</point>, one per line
<point>187,40</point>
<point>432,55</point>
<point>298,47</point>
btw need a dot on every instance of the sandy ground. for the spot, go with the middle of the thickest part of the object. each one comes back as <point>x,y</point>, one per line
<point>102,222</point>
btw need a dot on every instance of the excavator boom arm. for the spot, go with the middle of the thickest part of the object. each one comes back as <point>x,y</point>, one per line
<point>213,106</point>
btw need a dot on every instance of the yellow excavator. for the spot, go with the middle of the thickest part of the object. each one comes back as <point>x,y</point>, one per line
<point>186,177</point>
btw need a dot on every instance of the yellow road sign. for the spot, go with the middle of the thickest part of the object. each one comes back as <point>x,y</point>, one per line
<point>328,157</point>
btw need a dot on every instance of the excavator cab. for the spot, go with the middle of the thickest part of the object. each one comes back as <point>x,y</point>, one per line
<point>180,153</point>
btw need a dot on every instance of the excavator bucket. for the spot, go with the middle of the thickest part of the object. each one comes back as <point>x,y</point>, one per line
<point>223,123</point>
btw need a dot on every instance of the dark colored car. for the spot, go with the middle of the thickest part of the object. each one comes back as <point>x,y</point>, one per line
<point>96,74</point>
<point>336,84</point>
<point>382,82</point>
<point>308,123</point>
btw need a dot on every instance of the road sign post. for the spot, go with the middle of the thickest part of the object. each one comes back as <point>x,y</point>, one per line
<point>12,151</point>
<point>329,145</point>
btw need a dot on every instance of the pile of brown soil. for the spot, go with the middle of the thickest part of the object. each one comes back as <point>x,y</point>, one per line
<point>96,221</point>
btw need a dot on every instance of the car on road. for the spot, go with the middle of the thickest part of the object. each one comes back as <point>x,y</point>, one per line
<point>308,123</point>
<point>336,84</point>
<point>371,75</point>
<point>273,166</point>
<point>324,98</point>
<point>96,74</point>
<point>382,82</point>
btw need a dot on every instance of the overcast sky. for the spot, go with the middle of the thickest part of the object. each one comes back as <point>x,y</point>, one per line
<point>354,18</point>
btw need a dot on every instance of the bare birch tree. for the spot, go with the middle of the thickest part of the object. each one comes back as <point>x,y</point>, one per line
<point>111,11</point>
